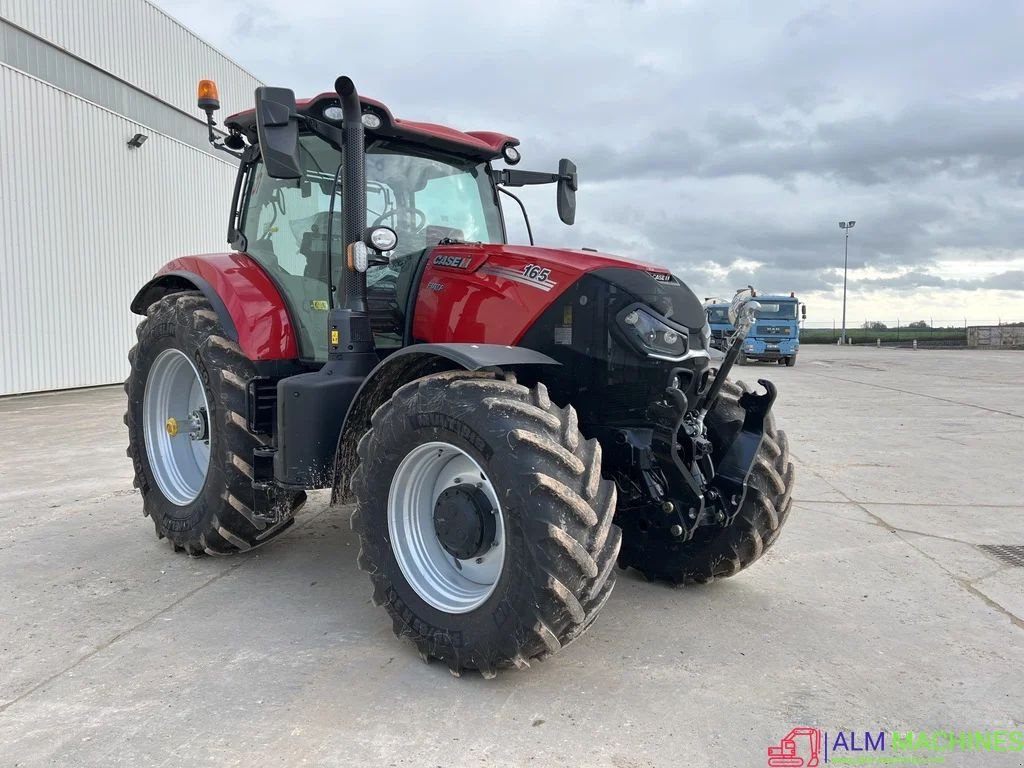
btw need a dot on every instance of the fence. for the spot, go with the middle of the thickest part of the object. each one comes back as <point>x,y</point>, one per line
<point>899,333</point>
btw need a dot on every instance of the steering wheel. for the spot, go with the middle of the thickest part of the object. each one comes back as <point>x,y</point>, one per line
<point>419,222</point>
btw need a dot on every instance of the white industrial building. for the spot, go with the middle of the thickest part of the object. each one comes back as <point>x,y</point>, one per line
<point>86,218</point>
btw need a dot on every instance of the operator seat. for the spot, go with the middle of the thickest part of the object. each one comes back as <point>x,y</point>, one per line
<point>314,246</point>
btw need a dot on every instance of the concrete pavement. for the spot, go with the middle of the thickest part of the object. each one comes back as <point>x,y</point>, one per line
<point>875,610</point>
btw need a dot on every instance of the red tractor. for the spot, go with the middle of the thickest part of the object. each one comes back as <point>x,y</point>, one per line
<point>511,421</point>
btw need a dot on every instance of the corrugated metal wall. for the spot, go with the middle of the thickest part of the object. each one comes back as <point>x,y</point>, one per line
<point>138,43</point>
<point>85,222</point>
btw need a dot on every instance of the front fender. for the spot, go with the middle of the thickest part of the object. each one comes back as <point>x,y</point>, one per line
<point>409,364</point>
<point>246,300</point>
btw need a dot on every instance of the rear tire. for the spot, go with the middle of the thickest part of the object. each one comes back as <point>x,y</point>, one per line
<point>554,520</point>
<point>213,513</point>
<point>719,552</point>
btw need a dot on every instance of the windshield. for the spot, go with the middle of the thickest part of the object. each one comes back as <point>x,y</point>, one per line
<point>718,315</point>
<point>424,196</point>
<point>777,310</point>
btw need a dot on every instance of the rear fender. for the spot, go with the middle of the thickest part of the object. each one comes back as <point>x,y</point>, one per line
<point>247,302</point>
<point>409,364</point>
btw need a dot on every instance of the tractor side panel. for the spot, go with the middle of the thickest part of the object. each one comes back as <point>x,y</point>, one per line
<point>265,331</point>
<point>482,295</point>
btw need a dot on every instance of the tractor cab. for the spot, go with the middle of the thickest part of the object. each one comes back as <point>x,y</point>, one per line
<point>427,183</point>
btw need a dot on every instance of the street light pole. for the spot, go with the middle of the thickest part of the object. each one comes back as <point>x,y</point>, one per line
<point>846,226</point>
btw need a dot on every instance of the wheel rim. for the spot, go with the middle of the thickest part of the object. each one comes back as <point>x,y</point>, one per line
<point>176,425</point>
<point>446,582</point>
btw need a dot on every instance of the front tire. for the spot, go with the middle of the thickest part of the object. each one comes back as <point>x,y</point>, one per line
<point>791,361</point>
<point>717,552</point>
<point>188,438</point>
<point>542,526</point>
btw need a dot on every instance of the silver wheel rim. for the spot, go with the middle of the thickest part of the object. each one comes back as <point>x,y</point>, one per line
<point>176,424</point>
<point>442,580</point>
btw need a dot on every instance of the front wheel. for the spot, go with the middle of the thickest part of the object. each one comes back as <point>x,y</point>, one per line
<point>188,437</point>
<point>719,551</point>
<point>791,361</point>
<point>483,520</point>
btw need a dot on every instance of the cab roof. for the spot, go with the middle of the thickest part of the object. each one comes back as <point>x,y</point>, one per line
<point>481,145</point>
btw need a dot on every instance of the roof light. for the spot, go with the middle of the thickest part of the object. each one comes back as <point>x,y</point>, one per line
<point>511,154</point>
<point>207,97</point>
<point>333,113</point>
<point>371,121</point>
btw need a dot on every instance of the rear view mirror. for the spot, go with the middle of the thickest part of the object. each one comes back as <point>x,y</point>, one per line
<point>567,184</point>
<point>277,128</point>
<point>803,311</point>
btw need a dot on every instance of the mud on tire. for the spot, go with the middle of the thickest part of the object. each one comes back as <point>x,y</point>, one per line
<point>560,543</point>
<point>717,552</point>
<point>220,520</point>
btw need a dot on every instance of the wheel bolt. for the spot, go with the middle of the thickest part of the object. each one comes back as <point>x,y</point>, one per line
<point>667,507</point>
<point>676,530</point>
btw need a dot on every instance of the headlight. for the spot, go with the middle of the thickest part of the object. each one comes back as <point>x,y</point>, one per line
<point>652,336</point>
<point>705,335</point>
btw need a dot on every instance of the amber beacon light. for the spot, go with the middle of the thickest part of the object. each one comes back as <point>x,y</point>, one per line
<point>207,97</point>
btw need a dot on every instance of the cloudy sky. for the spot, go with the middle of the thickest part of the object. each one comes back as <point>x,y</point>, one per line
<point>723,139</point>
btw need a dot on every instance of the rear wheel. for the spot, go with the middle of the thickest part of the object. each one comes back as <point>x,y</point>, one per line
<point>719,551</point>
<point>188,438</point>
<point>483,520</point>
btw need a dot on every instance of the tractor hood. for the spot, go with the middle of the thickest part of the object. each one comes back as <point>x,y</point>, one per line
<point>497,292</point>
<point>651,284</point>
<point>578,260</point>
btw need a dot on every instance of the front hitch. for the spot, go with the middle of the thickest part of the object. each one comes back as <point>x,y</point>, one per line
<point>689,496</point>
<point>729,484</point>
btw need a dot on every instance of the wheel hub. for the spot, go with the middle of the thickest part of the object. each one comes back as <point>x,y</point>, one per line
<point>464,521</point>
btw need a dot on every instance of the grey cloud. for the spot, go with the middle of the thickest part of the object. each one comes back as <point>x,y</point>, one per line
<point>708,135</point>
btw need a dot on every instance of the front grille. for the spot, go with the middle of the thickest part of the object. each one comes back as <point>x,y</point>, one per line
<point>772,330</point>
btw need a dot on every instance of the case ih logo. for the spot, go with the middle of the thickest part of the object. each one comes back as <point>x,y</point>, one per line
<point>456,262</point>
<point>661,277</point>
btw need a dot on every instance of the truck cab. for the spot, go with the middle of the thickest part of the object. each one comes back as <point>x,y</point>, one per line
<point>721,327</point>
<point>775,336</point>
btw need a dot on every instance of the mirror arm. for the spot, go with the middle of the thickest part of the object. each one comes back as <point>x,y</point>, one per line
<point>332,134</point>
<point>513,178</point>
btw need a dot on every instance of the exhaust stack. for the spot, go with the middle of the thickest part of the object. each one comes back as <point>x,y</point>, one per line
<point>352,289</point>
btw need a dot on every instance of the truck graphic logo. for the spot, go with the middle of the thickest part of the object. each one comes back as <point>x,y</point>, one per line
<point>786,755</point>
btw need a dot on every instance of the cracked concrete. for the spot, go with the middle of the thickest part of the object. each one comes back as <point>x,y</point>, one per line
<point>875,610</point>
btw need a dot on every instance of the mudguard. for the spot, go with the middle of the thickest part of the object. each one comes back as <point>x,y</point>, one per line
<point>403,366</point>
<point>247,302</point>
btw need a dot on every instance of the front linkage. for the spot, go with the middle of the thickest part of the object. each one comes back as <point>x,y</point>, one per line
<point>697,493</point>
